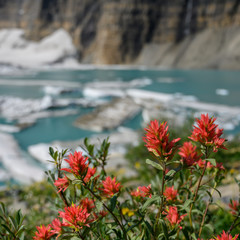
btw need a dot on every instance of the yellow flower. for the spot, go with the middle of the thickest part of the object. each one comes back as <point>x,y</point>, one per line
<point>137,165</point>
<point>125,211</point>
<point>233,171</point>
<point>130,213</point>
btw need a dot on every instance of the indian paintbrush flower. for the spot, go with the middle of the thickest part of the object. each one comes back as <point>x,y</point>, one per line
<point>90,173</point>
<point>43,233</point>
<point>225,236</point>
<point>88,204</point>
<point>170,193</point>
<point>78,164</point>
<point>110,187</point>
<point>188,153</point>
<point>173,216</point>
<point>142,191</point>
<point>62,183</point>
<point>57,227</point>
<point>207,133</point>
<point>234,205</point>
<point>157,140</point>
<point>75,216</point>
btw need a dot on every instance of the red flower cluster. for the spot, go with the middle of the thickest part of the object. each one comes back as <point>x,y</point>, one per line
<point>78,164</point>
<point>234,205</point>
<point>170,193</point>
<point>207,133</point>
<point>201,164</point>
<point>75,216</point>
<point>57,226</point>
<point>157,140</point>
<point>142,191</point>
<point>225,236</point>
<point>43,233</point>
<point>62,183</point>
<point>173,216</point>
<point>110,187</point>
<point>88,204</point>
<point>189,154</point>
<point>90,173</point>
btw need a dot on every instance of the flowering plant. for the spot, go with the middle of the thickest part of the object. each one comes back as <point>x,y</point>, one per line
<point>176,204</point>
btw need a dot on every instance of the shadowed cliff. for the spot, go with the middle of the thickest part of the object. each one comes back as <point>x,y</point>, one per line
<point>149,32</point>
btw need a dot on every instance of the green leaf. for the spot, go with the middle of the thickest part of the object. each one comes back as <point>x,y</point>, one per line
<point>164,227</point>
<point>99,205</point>
<point>210,227</point>
<point>13,222</point>
<point>135,225</point>
<point>150,201</point>
<point>210,196</point>
<point>149,227</point>
<point>212,161</point>
<point>20,230</point>
<point>197,211</point>
<point>193,235</point>
<point>154,164</point>
<point>55,156</point>
<point>18,216</point>
<point>113,202</point>
<point>51,151</point>
<point>170,174</point>
<point>186,204</point>
<point>185,232</point>
<point>8,230</point>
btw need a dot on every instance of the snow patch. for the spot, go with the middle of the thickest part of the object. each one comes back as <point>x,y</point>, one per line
<point>16,50</point>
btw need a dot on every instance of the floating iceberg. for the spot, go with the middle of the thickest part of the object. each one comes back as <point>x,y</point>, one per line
<point>222,92</point>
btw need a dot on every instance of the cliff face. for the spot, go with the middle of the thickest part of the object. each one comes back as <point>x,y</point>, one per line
<point>126,31</point>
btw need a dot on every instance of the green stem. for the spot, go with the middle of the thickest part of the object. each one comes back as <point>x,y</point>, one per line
<point>234,223</point>
<point>198,186</point>
<point>109,210</point>
<point>205,212</point>
<point>159,214</point>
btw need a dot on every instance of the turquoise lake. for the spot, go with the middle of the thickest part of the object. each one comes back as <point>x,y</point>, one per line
<point>199,83</point>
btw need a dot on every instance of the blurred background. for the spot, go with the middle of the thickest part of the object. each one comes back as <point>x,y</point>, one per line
<point>71,69</point>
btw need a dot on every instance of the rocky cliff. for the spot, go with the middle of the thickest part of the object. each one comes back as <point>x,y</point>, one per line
<point>176,33</point>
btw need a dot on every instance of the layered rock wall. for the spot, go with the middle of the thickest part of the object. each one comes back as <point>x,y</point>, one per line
<point>118,31</point>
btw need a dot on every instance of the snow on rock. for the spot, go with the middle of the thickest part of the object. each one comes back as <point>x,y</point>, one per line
<point>15,49</point>
<point>15,163</point>
<point>13,107</point>
<point>9,128</point>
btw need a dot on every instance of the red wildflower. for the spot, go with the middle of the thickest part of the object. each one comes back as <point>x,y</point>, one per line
<point>234,205</point>
<point>90,173</point>
<point>207,133</point>
<point>62,183</point>
<point>88,204</point>
<point>75,216</point>
<point>201,164</point>
<point>43,233</point>
<point>103,213</point>
<point>173,216</point>
<point>142,191</point>
<point>189,154</point>
<point>78,164</point>
<point>225,236</point>
<point>110,187</point>
<point>157,140</point>
<point>57,227</point>
<point>170,193</point>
